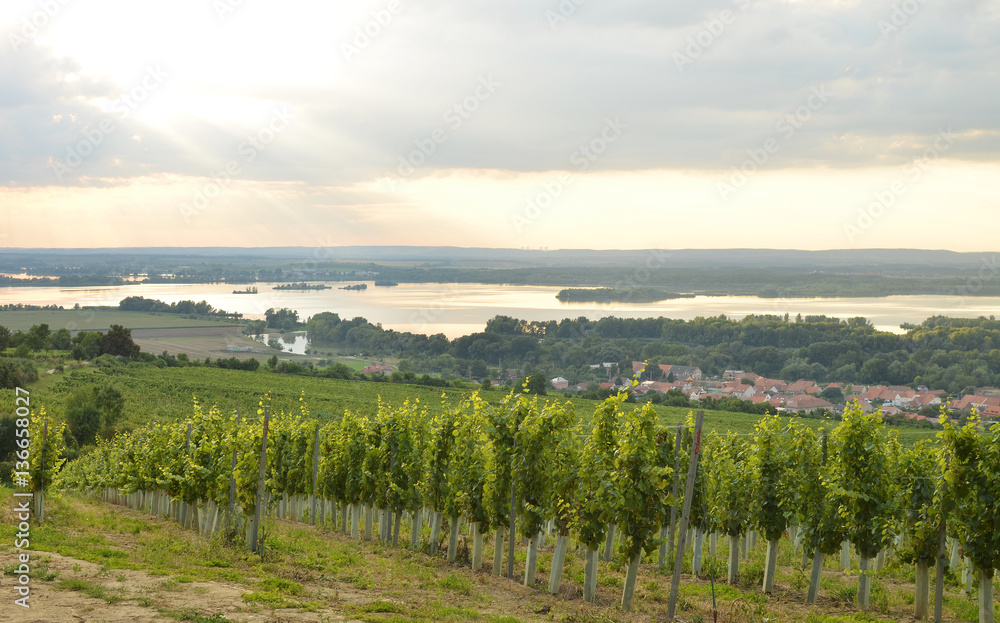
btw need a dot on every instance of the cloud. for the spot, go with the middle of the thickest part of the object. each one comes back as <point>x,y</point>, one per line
<point>699,86</point>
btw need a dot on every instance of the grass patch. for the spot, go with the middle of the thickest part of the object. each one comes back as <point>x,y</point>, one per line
<point>281,585</point>
<point>457,583</point>
<point>267,598</point>
<point>194,617</point>
<point>90,589</point>
<point>380,605</point>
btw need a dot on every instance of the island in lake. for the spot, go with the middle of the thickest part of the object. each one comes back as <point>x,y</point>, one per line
<point>302,286</point>
<point>249,290</point>
<point>357,286</point>
<point>618,295</point>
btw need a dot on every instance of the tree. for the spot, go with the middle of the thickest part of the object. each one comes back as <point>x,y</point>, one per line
<point>4,338</point>
<point>15,373</point>
<point>283,319</point>
<point>643,486</point>
<point>973,475</point>
<point>83,415</point>
<point>599,495</point>
<point>111,403</point>
<point>505,325</point>
<point>920,475</point>
<point>118,342</point>
<point>832,394</point>
<point>470,470</point>
<point>89,343</point>
<point>536,384</point>
<point>94,410</point>
<point>532,474</point>
<point>505,420</point>
<point>60,340</point>
<point>728,489</point>
<point>772,466</point>
<point>478,369</point>
<point>817,503</point>
<point>863,464</point>
<point>38,336</point>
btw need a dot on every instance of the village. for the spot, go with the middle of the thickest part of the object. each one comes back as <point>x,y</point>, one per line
<point>796,397</point>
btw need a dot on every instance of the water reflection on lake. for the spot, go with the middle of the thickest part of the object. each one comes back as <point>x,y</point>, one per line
<point>294,342</point>
<point>460,309</point>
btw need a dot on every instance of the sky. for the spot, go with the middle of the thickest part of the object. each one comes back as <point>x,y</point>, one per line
<point>812,124</point>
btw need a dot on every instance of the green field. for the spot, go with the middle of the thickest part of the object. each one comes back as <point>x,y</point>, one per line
<point>165,394</point>
<point>101,320</point>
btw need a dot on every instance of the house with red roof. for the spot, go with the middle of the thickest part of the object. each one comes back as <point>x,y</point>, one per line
<point>802,387</point>
<point>681,373</point>
<point>806,402</point>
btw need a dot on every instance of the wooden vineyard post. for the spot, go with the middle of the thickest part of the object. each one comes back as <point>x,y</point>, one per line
<point>920,597</point>
<point>184,504</point>
<point>453,540</point>
<point>415,526</point>
<point>312,516</point>
<point>558,560</point>
<point>985,595</point>
<point>498,551</point>
<point>511,533</point>
<point>942,551</point>
<point>609,542</point>
<point>675,583</point>
<point>232,484</point>
<point>669,545</point>
<point>254,531</point>
<point>477,547</point>
<point>40,498</point>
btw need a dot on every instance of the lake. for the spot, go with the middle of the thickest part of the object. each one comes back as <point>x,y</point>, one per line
<point>460,309</point>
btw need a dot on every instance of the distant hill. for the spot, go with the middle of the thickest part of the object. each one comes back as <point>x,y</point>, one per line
<point>837,258</point>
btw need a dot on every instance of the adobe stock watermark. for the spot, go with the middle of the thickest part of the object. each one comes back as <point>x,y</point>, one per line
<point>33,24</point>
<point>453,117</point>
<point>785,128</point>
<point>428,315</point>
<point>640,277</point>
<point>899,18</point>
<point>225,7</point>
<point>708,35</point>
<point>886,197</point>
<point>987,272</point>
<point>370,30</point>
<point>582,157</point>
<point>249,149</point>
<point>565,10</point>
<point>93,136</point>
<point>277,299</point>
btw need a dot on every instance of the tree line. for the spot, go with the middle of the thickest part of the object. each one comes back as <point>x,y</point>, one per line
<point>953,354</point>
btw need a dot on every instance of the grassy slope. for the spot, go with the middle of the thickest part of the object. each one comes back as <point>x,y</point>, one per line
<point>150,565</point>
<point>164,394</point>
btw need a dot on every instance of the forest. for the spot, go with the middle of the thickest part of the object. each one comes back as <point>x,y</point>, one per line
<point>952,354</point>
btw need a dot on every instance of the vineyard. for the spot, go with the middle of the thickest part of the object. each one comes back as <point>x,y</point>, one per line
<point>164,395</point>
<point>615,483</point>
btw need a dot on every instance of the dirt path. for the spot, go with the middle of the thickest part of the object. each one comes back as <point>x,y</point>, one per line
<point>138,596</point>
